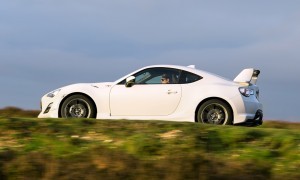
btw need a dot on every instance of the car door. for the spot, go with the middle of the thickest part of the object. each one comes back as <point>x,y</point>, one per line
<point>147,97</point>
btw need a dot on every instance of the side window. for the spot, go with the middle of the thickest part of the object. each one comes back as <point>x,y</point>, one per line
<point>156,76</point>
<point>143,77</point>
<point>187,77</point>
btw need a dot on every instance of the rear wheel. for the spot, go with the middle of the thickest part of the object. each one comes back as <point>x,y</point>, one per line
<point>78,106</point>
<point>215,112</point>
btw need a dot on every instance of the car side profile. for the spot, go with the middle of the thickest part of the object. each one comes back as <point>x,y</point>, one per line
<point>162,92</point>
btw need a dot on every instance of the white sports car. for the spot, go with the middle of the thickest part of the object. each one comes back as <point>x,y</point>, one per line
<point>162,92</point>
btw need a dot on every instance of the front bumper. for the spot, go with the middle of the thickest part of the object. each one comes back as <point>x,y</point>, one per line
<point>49,107</point>
<point>256,121</point>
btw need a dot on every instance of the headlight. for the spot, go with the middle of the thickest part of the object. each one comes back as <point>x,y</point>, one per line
<point>246,91</point>
<point>53,93</point>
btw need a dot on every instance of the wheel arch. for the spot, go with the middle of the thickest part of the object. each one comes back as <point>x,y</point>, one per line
<point>211,98</point>
<point>71,94</point>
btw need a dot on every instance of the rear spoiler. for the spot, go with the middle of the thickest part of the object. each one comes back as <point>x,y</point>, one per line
<point>247,76</point>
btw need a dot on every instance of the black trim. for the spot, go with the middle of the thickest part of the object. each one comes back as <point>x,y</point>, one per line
<point>256,121</point>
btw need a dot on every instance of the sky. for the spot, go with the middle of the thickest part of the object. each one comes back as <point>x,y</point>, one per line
<point>47,44</point>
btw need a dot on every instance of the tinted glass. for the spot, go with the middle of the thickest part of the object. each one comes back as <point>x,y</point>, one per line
<point>187,77</point>
<point>156,76</point>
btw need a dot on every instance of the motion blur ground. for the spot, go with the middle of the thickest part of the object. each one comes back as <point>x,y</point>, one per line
<point>120,149</point>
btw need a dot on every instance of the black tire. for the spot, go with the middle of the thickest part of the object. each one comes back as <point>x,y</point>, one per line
<point>215,112</point>
<point>78,106</point>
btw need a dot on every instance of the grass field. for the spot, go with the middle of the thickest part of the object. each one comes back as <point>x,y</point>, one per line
<point>32,148</point>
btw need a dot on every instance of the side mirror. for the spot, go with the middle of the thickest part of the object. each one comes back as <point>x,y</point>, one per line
<point>130,81</point>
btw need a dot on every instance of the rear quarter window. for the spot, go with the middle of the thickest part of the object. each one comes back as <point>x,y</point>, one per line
<point>187,77</point>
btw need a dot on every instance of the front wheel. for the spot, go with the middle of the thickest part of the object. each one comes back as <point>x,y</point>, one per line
<point>215,112</point>
<point>78,106</point>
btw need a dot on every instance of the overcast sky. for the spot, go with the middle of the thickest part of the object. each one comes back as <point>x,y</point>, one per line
<point>46,44</point>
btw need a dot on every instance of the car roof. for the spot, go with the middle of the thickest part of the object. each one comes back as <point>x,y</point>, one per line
<point>170,66</point>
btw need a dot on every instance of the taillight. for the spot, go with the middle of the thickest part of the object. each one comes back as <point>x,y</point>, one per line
<point>246,91</point>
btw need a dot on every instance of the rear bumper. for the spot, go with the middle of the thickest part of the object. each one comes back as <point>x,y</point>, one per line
<point>256,121</point>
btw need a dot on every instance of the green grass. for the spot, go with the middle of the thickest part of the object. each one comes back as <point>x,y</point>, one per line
<point>87,148</point>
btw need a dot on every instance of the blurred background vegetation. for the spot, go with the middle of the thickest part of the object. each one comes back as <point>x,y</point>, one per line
<point>32,148</point>
<point>18,112</point>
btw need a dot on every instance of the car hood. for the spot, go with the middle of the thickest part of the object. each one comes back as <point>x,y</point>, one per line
<point>86,86</point>
<point>101,84</point>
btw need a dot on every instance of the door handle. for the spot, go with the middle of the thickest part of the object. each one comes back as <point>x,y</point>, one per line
<point>172,92</point>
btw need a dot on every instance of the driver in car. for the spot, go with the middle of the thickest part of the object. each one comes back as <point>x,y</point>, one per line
<point>165,79</point>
